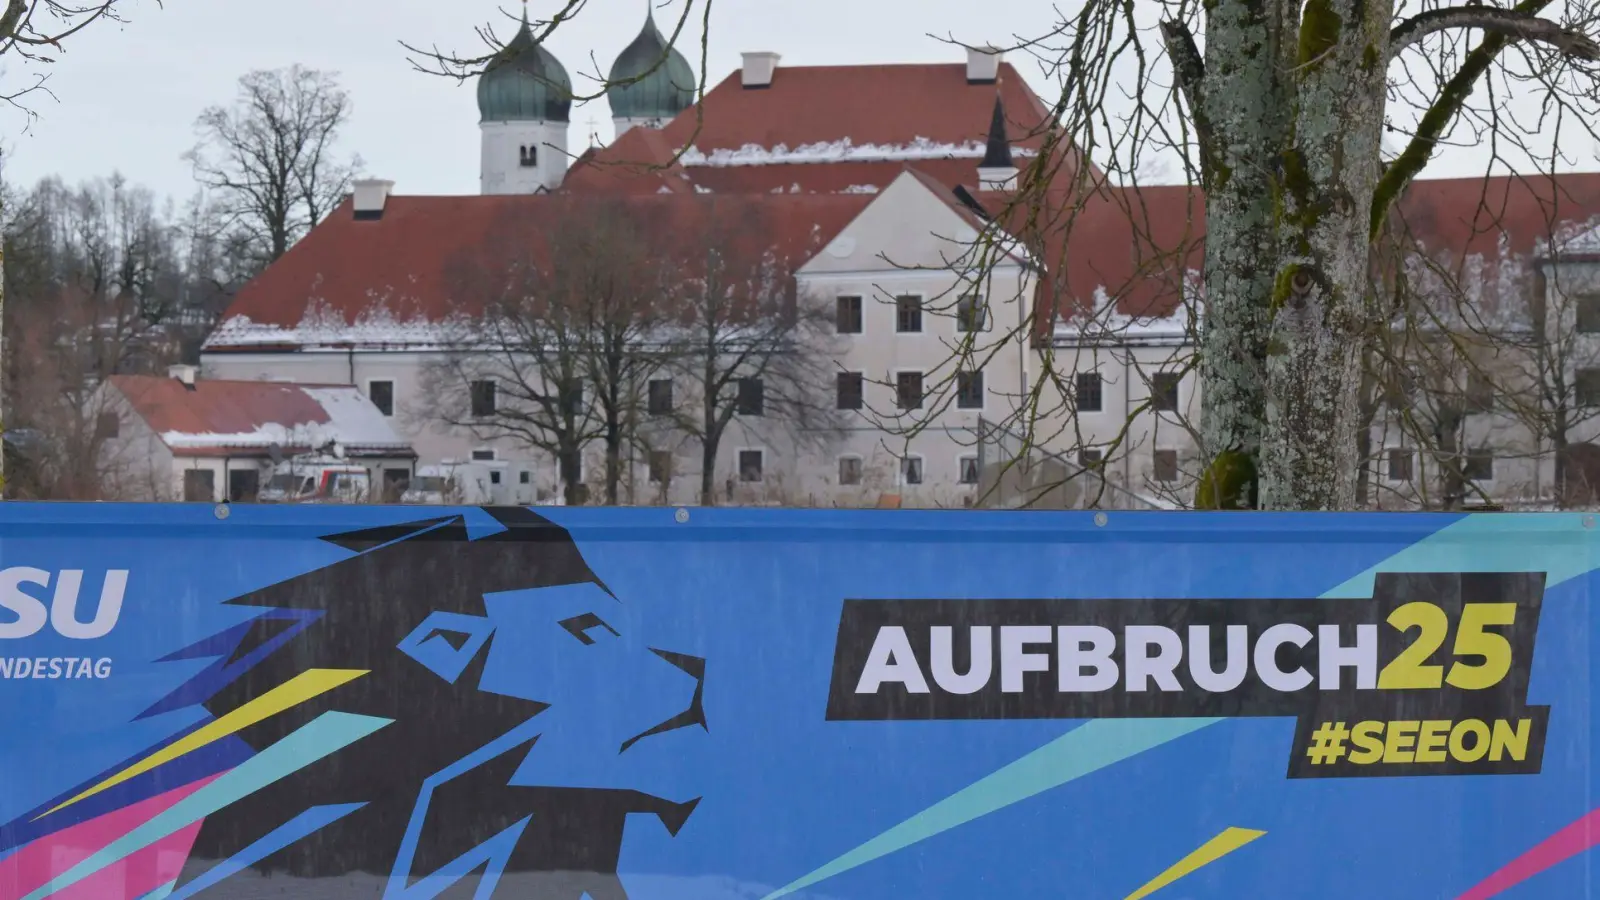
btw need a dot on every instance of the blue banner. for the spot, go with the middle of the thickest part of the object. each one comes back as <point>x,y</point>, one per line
<point>650,704</point>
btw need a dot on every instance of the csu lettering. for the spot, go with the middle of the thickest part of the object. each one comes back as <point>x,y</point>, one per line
<point>22,614</point>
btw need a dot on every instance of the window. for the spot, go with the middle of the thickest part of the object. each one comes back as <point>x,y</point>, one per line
<point>483,456</point>
<point>1589,314</point>
<point>199,486</point>
<point>525,477</point>
<point>1164,465</point>
<point>1399,468</point>
<point>483,398</point>
<point>570,400</point>
<point>108,424</point>
<point>908,389</point>
<point>660,466</point>
<point>847,315</point>
<point>1091,459</point>
<point>969,390</point>
<point>381,393</point>
<point>1090,392</point>
<point>245,484</point>
<point>751,464</point>
<point>849,389</point>
<point>967,470</point>
<point>849,470</point>
<point>494,477</point>
<point>1587,387</point>
<point>1401,388</point>
<point>752,397</point>
<point>660,399</point>
<point>1479,466</point>
<point>970,314</point>
<point>1480,393</point>
<point>395,483</point>
<point>529,156</point>
<point>908,314</point>
<point>911,470</point>
<point>1164,391</point>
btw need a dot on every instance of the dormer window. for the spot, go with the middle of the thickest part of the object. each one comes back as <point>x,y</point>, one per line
<point>530,156</point>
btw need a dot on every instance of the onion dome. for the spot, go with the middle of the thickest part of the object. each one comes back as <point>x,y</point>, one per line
<point>664,87</point>
<point>524,82</point>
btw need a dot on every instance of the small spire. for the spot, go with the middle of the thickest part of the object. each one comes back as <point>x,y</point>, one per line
<point>997,155</point>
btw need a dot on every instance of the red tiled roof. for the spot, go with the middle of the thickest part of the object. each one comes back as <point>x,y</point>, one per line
<point>868,105</point>
<point>245,417</point>
<point>409,262</point>
<point>1135,244</point>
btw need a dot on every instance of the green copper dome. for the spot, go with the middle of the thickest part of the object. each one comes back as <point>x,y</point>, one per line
<point>523,83</point>
<point>661,94</point>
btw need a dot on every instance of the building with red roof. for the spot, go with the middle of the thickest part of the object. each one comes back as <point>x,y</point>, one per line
<point>212,440</point>
<point>803,157</point>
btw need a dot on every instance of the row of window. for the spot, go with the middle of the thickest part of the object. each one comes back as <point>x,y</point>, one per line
<point>850,393</point>
<point>1476,465</point>
<point>1089,391</point>
<point>908,314</point>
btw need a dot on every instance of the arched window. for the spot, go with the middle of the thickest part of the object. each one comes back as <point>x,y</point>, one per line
<point>530,155</point>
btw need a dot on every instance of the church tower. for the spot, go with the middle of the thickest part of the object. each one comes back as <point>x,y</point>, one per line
<point>641,97</point>
<point>524,107</point>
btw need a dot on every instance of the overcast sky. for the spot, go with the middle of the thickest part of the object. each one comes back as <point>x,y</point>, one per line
<point>126,96</point>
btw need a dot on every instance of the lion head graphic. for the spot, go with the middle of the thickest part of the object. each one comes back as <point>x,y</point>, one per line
<point>460,771</point>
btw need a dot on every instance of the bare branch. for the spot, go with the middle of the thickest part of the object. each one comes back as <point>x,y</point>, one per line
<point>1509,23</point>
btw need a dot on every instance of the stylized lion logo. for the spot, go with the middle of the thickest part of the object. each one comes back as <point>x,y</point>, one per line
<point>472,770</point>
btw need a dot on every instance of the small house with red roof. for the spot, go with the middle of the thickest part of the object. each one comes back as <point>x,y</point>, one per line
<point>213,440</point>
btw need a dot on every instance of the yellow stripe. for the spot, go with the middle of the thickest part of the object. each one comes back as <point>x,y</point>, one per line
<point>295,691</point>
<point>1206,853</point>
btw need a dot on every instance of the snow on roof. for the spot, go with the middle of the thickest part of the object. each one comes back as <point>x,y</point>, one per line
<point>1571,238</point>
<point>839,151</point>
<point>1107,324</point>
<point>255,415</point>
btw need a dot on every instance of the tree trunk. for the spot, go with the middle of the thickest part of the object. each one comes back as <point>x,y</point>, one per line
<point>1243,120</point>
<point>1294,168</point>
<point>4,407</point>
<point>570,463</point>
<point>1330,175</point>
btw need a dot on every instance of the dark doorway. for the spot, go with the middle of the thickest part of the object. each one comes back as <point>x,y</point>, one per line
<point>243,485</point>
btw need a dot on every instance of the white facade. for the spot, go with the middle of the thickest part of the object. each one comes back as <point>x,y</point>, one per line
<point>899,246</point>
<point>903,253</point>
<point>523,157</point>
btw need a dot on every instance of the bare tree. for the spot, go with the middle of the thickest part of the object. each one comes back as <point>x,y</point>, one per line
<point>553,355</point>
<point>750,346</point>
<point>610,279</point>
<point>271,159</point>
<point>33,31</point>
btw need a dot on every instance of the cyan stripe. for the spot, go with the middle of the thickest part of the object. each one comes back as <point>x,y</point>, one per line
<point>1561,545</point>
<point>1085,749</point>
<point>326,734</point>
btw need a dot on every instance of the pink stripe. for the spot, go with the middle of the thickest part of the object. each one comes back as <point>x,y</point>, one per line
<point>134,876</point>
<point>1558,847</point>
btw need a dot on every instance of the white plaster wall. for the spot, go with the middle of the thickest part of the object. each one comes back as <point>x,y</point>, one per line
<point>910,242</point>
<point>136,463</point>
<point>1127,435</point>
<point>501,169</point>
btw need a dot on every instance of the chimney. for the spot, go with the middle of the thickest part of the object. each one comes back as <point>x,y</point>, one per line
<point>983,65</point>
<point>758,69</point>
<point>185,374</point>
<point>371,194</point>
